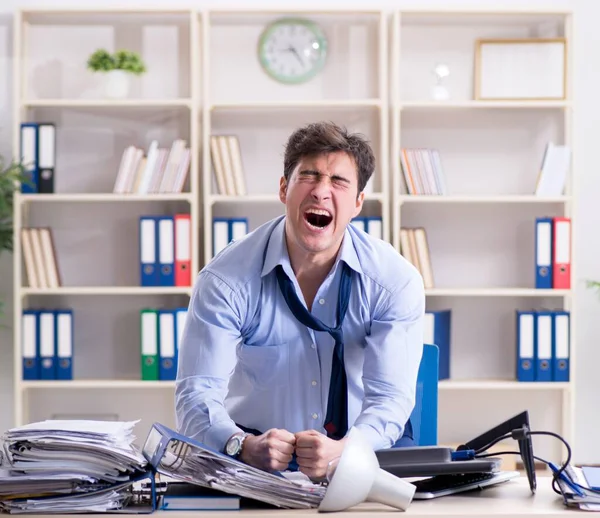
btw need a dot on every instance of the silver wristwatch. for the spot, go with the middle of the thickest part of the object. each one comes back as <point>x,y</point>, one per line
<point>233,448</point>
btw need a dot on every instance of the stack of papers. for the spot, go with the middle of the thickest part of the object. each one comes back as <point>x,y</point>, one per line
<point>183,458</point>
<point>580,487</point>
<point>63,466</point>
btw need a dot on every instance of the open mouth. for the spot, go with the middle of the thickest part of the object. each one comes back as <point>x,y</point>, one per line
<point>318,218</point>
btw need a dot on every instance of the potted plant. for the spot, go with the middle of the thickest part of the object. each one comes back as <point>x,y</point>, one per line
<point>11,176</point>
<point>118,68</point>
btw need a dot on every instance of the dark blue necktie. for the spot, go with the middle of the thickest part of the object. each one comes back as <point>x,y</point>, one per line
<point>336,420</point>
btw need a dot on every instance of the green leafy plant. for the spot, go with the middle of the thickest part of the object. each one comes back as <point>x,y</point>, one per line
<point>11,175</point>
<point>595,285</point>
<point>103,61</point>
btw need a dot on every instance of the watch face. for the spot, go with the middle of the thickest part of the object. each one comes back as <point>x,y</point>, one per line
<point>292,50</point>
<point>233,446</point>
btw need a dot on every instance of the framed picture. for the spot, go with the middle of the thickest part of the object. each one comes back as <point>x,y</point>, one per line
<point>521,69</point>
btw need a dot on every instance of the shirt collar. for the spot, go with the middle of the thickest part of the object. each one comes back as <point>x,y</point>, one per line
<point>277,252</point>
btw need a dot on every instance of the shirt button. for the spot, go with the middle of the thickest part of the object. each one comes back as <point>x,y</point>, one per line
<point>313,383</point>
<point>314,416</point>
<point>314,346</point>
<point>321,301</point>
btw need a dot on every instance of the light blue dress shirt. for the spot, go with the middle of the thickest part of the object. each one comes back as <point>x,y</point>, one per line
<point>245,359</point>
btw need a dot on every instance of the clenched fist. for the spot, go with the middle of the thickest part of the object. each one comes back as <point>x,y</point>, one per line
<point>271,451</point>
<point>314,451</point>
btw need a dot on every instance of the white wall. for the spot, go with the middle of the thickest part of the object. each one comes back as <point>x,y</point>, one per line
<point>587,217</point>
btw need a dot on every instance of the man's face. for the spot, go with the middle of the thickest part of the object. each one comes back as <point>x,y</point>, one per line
<point>321,198</point>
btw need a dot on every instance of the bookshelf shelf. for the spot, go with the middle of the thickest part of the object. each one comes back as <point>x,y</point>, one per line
<point>479,105</point>
<point>523,198</point>
<point>509,385</point>
<point>107,290</point>
<point>102,198</point>
<point>297,105</point>
<point>98,384</point>
<point>107,103</point>
<point>495,292</point>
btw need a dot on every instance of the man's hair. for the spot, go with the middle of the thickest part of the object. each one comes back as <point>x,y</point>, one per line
<point>326,137</point>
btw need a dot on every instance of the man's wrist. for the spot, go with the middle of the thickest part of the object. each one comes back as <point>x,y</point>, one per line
<point>235,444</point>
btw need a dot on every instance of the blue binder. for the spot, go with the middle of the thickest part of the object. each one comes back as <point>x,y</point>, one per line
<point>526,340</point>
<point>561,345</point>
<point>543,346</point>
<point>29,154</point>
<point>437,331</point>
<point>63,338</point>
<point>148,241</point>
<point>543,253</point>
<point>165,238</point>
<point>167,345</point>
<point>47,345</point>
<point>30,339</point>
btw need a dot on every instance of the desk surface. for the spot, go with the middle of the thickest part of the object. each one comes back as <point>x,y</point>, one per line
<point>509,500</point>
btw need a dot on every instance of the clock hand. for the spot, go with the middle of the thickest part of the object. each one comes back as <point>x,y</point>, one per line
<point>292,49</point>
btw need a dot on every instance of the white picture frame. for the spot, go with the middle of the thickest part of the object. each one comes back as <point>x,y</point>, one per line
<point>521,69</point>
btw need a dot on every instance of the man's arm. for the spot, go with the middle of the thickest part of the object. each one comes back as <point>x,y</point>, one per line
<point>207,357</point>
<point>392,357</point>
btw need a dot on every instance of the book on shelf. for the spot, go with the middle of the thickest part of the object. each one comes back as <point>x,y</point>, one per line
<point>39,254</point>
<point>47,344</point>
<point>422,170</point>
<point>160,337</point>
<point>159,171</point>
<point>227,164</point>
<point>415,249</point>
<point>552,177</point>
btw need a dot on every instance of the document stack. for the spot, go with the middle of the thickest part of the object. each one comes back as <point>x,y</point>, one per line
<point>184,459</point>
<point>74,466</point>
<point>580,487</point>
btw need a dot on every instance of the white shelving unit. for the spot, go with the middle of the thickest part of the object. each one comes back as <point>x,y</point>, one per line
<point>165,104</point>
<point>481,233</point>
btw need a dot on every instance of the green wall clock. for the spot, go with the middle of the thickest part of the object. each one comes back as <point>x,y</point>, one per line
<point>292,50</point>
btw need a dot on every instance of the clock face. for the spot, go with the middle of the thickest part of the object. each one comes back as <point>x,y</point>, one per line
<point>292,50</point>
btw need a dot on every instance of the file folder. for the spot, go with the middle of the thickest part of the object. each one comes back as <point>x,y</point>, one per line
<point>375,227</point>
<point>561,346</point>
<point>436,331</point>
<point>46,156</point>
<point>526,339</point>
<point>167,370</point>
<point>183,257</point>
<point>149,344</point>
<point>166,250</point>
<point>29,156</point>
<point>148,251</point>
<point>543,253</point>
<point>238,228</point>
<point>64,344</point>
<point>543,348</point>
<point>561,258</point>
<point>220,235</point>
<point>360,223</point>
<point>30,335</point>
<point>47,346</point>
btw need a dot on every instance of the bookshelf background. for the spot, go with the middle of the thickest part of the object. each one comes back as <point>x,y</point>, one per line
<point>377,81</point>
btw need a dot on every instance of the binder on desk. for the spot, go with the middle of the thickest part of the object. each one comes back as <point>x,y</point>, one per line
<point>63,328</point>
<point>47,346</point>
<point>188,460</point>
<point>561,345</point>
<point>526,340</point>
<point>30,336</point>
<point>543,253</point>
<point>561,253</point>
<point>543,347</point>
<point>148,251</point>
<point>166,250</point>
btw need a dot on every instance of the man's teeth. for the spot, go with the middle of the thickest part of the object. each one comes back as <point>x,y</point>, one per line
<point>320,212</point>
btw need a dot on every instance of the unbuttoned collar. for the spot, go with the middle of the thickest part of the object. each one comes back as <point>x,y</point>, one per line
<point>277,252</point>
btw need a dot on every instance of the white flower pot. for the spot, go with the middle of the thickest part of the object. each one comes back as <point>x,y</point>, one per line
<point>117,84</point>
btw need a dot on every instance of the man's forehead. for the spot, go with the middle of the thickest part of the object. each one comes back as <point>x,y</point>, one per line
<point>328,163</point>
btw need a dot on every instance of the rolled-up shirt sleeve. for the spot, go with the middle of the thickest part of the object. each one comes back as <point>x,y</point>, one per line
<point>207,358</point>
<point>393,353</point>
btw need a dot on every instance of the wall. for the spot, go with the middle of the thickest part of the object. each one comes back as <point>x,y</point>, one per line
<point>587,217</point>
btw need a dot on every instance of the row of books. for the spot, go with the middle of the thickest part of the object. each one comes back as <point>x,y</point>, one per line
<point>227,164</point>
<point>158,171</point>
<point>553,253</point>
<point>47,344</point>
<point>165,250</point>
<point>415,249</point>
<point>39,254</point>
<point>543,345</point>
<point>160,338</point>
<point>37,154</point>
<point>422,169</point>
